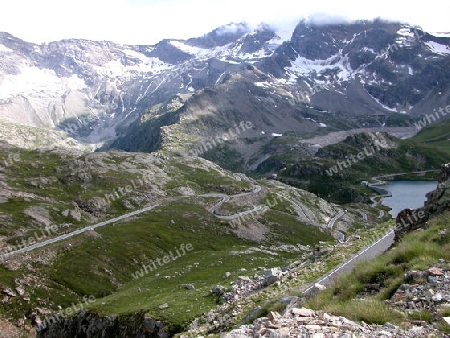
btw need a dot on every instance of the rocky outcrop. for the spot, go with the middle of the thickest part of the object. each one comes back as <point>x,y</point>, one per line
<point>88,325</point>
<point>308,323</point>
<point>438,201</point>
<point>424,290</point>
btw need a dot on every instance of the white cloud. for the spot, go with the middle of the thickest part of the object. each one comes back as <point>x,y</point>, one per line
<point>149,21</point>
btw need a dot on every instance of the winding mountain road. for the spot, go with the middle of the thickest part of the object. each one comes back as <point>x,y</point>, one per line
<point>379,182</point>
<point>330,225</point>
<point>301,214</point>
<point>382,193</point>
<point>335,218</point>
<point>225,198</point>
<point>372,251</point>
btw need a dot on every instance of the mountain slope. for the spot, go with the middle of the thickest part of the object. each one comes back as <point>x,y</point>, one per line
<point>89,88</point>
<point>436,134</point>
<point>375,67</point>
<point>330,75</point>
<point>93,90</point>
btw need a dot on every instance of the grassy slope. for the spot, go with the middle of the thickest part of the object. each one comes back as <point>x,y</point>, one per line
<point>437,135</point>
<point>102,263</point>
<point>417,251</point>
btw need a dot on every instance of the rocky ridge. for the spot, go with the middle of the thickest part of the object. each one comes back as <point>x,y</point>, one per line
<point>438,201</point>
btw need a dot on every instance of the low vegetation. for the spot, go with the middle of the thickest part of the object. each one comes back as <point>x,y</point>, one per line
<point>417,251</point>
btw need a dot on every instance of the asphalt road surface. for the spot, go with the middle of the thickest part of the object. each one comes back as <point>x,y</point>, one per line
<point>77,232</point>
<point>372,251</point>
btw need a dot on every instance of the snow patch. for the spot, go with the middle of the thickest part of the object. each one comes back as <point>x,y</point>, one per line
<point>441,34</point>
<point>406,31</point>
<point>34,81</point>
<point>115,68</point>
<point>438,48</point>
<point>3,48</point>
<point>306,67</point>
<point>229,51</point>
<point>384,106</point>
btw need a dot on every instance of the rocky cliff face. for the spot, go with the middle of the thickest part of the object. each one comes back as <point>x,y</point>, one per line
<point>88,325</point>
<point>438,201</point>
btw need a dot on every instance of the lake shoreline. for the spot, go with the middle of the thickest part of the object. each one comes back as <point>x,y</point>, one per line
<point>407,194</point>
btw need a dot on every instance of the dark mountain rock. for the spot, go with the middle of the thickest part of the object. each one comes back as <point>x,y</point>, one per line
<point>438,202</point>
<point>255,41</point>
<point>168,53</point>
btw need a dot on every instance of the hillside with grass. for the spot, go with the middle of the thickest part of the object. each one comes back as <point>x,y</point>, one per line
<point>437,134</point>
<point>259,226</point>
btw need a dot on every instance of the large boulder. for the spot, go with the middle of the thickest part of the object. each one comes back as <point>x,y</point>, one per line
<point>271,276</point>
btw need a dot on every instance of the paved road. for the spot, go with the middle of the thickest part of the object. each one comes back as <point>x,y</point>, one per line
<point>388,194</point>
<point>340,235</point>
<point>335,218</point>
<point>372,251</point>
<point>297,208</point>
<point>379,182</point>
<point>77,232</point>
<point>364,215</point>
<point>213,209</point>
<point>243,213</point>
<point>224,197</point>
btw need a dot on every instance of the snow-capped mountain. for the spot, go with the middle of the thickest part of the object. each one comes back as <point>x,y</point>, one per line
<point>366,67</point>
<point>95,90</point>
<point>89,88</point>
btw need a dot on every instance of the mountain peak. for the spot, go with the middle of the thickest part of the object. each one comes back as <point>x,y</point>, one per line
<point>220,36</point>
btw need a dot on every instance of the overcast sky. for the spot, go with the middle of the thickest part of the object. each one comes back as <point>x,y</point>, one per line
<point>149,21</point>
